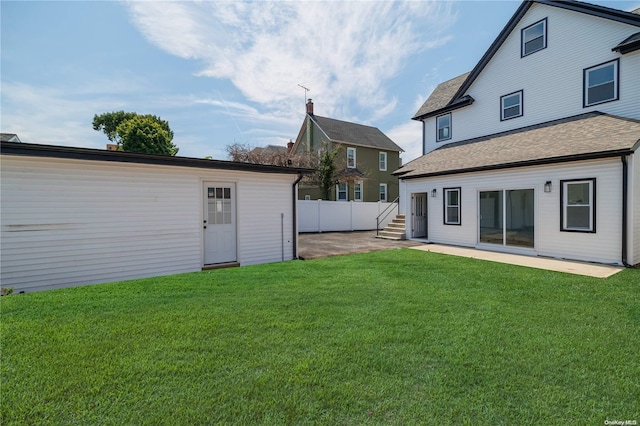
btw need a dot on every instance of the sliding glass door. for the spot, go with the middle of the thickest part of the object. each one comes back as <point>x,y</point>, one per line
<point>507,217</point>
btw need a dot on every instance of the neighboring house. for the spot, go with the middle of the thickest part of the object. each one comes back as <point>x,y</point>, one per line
<point>367,158</point>
<point>9,137</point>
<point>74,216</point>
<point>535,151</point>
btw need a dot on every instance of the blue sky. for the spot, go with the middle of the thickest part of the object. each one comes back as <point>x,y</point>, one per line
<point>225,72</point>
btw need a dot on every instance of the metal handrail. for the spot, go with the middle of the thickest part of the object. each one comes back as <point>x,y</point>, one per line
<point>385,215</point>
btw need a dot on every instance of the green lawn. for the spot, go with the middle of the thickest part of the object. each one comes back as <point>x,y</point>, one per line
<point>393,337</point>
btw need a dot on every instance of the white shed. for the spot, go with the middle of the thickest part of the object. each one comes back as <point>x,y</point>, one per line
<point>75,216</point>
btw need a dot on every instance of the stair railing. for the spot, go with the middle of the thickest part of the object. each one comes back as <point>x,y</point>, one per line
<point>381,217</point>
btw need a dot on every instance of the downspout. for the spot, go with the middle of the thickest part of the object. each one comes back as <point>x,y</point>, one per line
<point>625,188</point>
<point>295,215</point>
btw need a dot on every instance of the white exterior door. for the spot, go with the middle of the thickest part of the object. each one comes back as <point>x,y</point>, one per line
<point>220,240</point>
<point>419,215</point>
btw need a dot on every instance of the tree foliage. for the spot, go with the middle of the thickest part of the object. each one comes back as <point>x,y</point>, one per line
<point>133,132</point>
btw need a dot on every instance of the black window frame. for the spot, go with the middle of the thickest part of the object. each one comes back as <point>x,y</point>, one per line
<point>545,37</point>
<point>458,189</point>
<point>521,93</point>
<point>592,205</point>
<point>438,127</point>
<point>616,74</point>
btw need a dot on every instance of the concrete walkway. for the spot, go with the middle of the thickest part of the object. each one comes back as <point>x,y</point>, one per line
<point>570,267</point>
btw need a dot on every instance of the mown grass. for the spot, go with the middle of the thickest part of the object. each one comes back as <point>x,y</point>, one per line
<point>393,337</point>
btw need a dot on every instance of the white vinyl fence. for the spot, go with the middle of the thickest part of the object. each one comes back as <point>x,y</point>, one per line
<point>326,216</point>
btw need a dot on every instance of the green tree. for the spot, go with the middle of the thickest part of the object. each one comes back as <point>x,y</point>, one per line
<point>326,172</point>
<point>133,132</point>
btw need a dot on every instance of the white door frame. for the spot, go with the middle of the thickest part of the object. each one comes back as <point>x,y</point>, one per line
<point>220,228</point>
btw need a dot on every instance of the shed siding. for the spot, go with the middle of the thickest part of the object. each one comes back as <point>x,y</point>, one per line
<point>551,79</point>
<point>74,222</point>
<point>602,246</point>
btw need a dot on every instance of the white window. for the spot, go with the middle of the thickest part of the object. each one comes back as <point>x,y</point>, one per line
<point>443,123</point>
<point>511,106</point>
<point>341,192</point>
<point>578,205</point>
<point>383,161</point>
<point>307,197</point>
<point>601,83</point>
<point>357,191</point>
<point>351,158</point>
<point>383,192</point>
<point>451,206</point>
<point>534,37</point>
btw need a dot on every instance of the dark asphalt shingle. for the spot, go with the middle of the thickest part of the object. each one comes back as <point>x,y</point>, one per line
<point>355,134</point>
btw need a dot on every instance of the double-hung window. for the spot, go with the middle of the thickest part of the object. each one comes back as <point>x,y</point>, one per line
<point>357,191</point>
<point>443,124</point>
<point>601,83</point>
<point>382,160</point>
<point>578,198</point>
<point>342,192</point>
<point>534,38</point>
<point>383,192</point>
<point>511,106</point>
<point>451,206</point>
<point>351,158</point>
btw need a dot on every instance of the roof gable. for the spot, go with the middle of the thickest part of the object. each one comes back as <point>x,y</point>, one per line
<point>354,134</point>
<point>458,99</point>
<point>585,136</point>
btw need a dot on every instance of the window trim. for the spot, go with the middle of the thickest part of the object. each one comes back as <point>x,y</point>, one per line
<point>438,139</point>
<point>616,81</point>
<point>544,37</point>
<point>521,104</point>
<point>386,192</point>
<point>380,155</point>
<point>592,205</point>
<point>350,149</point>
<point>355,184</point>
<point>346,191</point>
<point>445,205</point>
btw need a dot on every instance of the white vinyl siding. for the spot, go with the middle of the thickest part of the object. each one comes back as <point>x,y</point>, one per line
<point>74,222</point>
<point>634,208</point>
<point>603,246</point>
<point>551,78</point>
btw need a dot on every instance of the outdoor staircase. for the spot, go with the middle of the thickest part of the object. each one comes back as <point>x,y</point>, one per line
<point>395,230</point>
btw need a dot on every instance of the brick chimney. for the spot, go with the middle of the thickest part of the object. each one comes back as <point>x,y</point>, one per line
<point>310,107</point>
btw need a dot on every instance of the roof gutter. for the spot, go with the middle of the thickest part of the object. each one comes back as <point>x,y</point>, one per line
<point>566,159</point>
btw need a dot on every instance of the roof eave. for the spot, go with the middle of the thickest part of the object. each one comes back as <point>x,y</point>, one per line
<point>89,154</point>
<point>527,163</point>
<point>460,103</point>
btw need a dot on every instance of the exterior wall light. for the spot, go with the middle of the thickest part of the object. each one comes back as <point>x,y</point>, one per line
<point>433,193</point>
<point>547,186</point>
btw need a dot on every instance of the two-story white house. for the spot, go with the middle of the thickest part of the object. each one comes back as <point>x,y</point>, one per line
<point>535,151</point>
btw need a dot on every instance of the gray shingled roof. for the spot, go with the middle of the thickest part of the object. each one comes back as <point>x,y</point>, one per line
<point>355,134</point>
<point>441,95</point>
<point>630,44</point>
<point>591,135</point>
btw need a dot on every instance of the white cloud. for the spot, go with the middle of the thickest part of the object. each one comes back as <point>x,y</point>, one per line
<point>409,137</point>
<point>345,52</point>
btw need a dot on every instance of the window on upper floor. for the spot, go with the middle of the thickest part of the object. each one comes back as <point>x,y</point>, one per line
<point>578,198</point>
<point>443,124</point>
<point>351,158</point>
<point>511,106</point>
<point>383,161</point>
<point>534,38</point>
<point>601,83</point>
